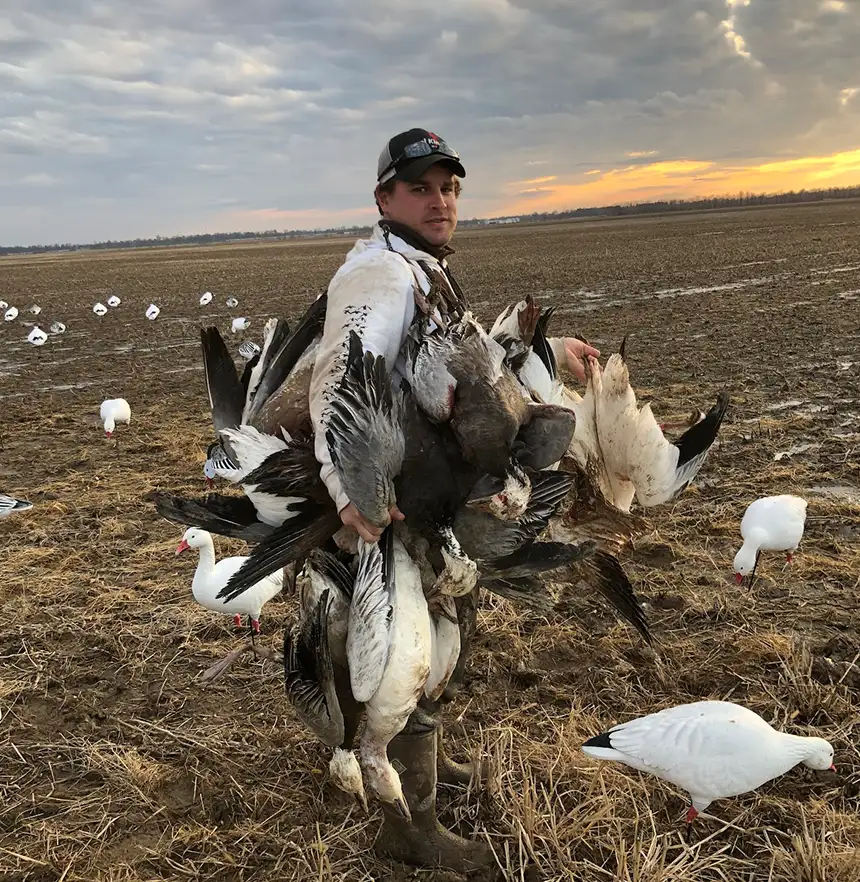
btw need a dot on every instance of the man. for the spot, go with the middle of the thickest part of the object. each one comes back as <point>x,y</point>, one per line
<point>387,277</point>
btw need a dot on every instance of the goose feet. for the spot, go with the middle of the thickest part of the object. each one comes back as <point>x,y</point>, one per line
<point>450,771</point>
<point>424,842</point>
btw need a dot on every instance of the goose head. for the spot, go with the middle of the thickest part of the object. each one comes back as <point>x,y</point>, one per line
<point>744,562</point>
<point>384,779</point>
<point>346,774</point>
<point>194,538</point>
<point>819,755</point>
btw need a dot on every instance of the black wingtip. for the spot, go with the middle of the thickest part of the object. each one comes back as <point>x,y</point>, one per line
<point>697,439</point>
<point>622,349</point>
<point>601,740</point>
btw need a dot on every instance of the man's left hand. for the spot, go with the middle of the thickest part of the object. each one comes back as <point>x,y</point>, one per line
<point>576,351</point>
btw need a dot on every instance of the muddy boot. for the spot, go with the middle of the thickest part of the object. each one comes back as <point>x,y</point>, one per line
<point>424,842</point>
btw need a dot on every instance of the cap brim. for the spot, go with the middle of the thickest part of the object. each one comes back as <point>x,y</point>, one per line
<point>413,171</point>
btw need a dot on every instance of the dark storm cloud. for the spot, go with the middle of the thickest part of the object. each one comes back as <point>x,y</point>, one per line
<point>134,119</point>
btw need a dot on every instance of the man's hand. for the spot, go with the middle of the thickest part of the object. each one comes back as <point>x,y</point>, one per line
<point>352,517</point>
<point>576,351</point>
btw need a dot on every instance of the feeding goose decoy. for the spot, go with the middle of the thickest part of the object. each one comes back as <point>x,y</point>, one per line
<point>771,523</point>
<point>4,304</point>
<point>37,336</point>
<point>232,302</point>
<point>711,749</point>
<point>210,577</point>
<point>206,298</point>
<point>57,328</point>
<point>11,314</point>
<point>240,324</point>
<point>152,312</point>
<point>316,669</point>
<point>113,411</point>
<point>8,505</point>
<point>113,301</point>
<point>100,309</point>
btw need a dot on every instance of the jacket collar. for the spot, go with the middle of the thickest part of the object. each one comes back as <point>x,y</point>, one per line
<point>413,239</point>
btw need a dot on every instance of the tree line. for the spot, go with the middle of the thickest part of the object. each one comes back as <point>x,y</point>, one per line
<point>629,208</point>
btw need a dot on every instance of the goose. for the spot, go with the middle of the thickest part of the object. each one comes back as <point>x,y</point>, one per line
<point>249,349</point>
<point>113,411</point>
<point>390,652</point>
<point>152,312</point>
<point>232,302</point>
<point>316,668</point>
<point>771,523</point>
<point>218,464</point>
<point>37,336</point>
<point>100,309</point>
<point>58,328</point>
<point>210,577</point>
<point>4,304</point>
<point>206,298</point>
<point>35,309</point>
<point>711,749</point>
<point>113,301</point>
<point>11,314</point>
<point>8,505</point>
<point>240,324</point>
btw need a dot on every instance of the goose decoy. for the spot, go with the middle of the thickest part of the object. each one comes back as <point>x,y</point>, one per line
<point>152,312</point>
<point>8,505</point>
<point>711,749</point>
<point>57,328</point>
<point>113,301</point>
<point>211,576</point>
<point>100,309</point>
<point>232,302</point>
<point>37,336</point>
<point>206,298</point>
<point>240,324</point>
<point>11,314</point>
<point>771,523</point>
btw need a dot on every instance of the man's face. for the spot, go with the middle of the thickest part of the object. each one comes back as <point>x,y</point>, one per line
<point>427,206</point>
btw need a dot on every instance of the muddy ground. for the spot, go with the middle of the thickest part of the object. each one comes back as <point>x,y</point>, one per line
<point>117,764</point>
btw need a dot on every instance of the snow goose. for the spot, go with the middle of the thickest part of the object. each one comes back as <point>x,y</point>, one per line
<point>35,309</point>
<point>100,309</point>
<point>240,324</point>
<point>711,749</point>
<point>8,505</point>
<point>37,336</point>
<point>152,312</point>
<point>58,328</point>
<point>232,302</point>
<point>219,465</point>
<point>365,434</point>
<point>113,301</point>
<point>113,411</point>
<point>315,666</point>
<point>206,298</point>
<point>210,577</point>
<point>390,651</point>
<point>772,523</point>
<point>11,314</point>
<point>4,304</point>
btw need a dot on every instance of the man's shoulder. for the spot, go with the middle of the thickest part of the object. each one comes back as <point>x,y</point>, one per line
<point>387,265</point>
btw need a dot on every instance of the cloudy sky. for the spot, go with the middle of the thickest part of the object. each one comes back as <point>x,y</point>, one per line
<point>176,116</point>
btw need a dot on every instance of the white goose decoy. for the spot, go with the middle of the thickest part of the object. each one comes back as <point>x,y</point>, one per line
<point>113,411</point>
<point>35,309</point>
<point>11,314</point>
<point>390,652</point>
<point>248,350</point>
<point>113,300</point>
<point>8,505</point>
<point>239,324</point>
<point>232,302</point>
<point>152,312</point>
<point>711,749</point>
<point>4,304</point>
<point>210,577</point>
<point>772,523</point>
<point>58,328</point>
<point>100,309</point>
<point>315,666</point>
<point>37,336</point>
<point>206,298</point>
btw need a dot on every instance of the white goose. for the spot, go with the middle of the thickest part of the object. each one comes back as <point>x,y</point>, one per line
<point>4,304</point>
<point>37,336</point>
<point>35,309</point>
<point>113,301</point>
<point>152,312</point>
<point>58,328</point>
<point>100,309</point>
<point>711,749</point>
<point>390,652</point>
<point>232,302</point>
<point>210,577</point>
<point>772,523</point>
<point>11,314</point>
<point>240,324</point>
<point>206,298</point>
<point>8,505</point>
<point>113,411</point>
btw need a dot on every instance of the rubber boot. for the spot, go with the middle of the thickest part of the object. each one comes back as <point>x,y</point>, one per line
<point>424,842</point>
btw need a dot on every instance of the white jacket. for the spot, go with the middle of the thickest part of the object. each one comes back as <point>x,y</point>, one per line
<point>373,294</point>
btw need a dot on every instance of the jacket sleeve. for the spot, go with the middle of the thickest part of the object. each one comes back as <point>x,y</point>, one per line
<point>373,296</point>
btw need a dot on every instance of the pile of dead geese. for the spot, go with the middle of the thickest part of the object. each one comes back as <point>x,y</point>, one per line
<point>482,448</point>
